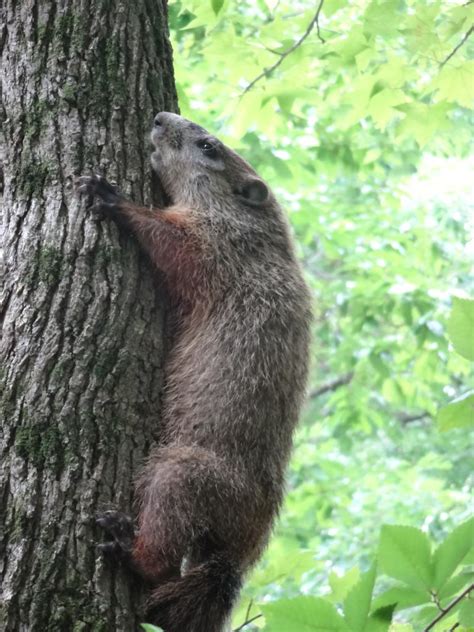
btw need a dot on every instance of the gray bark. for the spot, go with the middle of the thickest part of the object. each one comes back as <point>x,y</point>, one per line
<point>82,350</point>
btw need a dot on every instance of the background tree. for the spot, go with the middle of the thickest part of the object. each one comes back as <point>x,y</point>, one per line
<point>359,114</point>
<point>82,348</point>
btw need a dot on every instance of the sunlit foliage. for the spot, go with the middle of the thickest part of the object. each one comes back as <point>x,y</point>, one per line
<point>363,131</point>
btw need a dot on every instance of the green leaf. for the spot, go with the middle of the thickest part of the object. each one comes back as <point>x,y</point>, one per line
<point>455,84</point>
<point>364,58</point>
<point>381,18</point>
<point>404,553</point>
<point>380,620</point>
<point>402,597</point>
<point>457,414</point>
<point>357,100</point>
<point>340,586</point>
<point>382,106</point>
<point>357,602</point>
<point>150,628</point>
<point>332,6</point>
<point>461,326</point>
<point>371,156</point>
<point>466,612</point>
<point>352,45</point>
<point>457,583</point>
<point>285,560</point>
<point>395,72</point>
<point>217,5</point>
<point>423,121</point>
<point>451,553</point>
<point>303,614</point>
<point>458,19</point>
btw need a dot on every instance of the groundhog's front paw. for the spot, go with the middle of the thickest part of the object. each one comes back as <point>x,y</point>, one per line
<point>119,528</point>
<point>102,195</point>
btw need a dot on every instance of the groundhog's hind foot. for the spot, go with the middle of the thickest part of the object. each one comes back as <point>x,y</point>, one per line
<point>119,527</point>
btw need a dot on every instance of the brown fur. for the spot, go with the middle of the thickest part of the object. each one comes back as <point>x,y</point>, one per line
<point>235,376</point>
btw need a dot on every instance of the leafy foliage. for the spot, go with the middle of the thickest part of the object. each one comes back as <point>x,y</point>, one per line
<point>424,584</point>
<point>363,131</point>
<point>460,412</point>
<point>461,327</point>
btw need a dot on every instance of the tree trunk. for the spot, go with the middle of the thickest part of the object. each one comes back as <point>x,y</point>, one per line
<point>82,348</point>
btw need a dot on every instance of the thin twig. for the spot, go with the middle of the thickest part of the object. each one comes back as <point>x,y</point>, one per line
<point>435,598</point>
<point>449,607</point>
<point>455,50</point>
<point>274,52</point>
<point>275,8</point>
<point>316,21</point>
<point>249,608</point>
<point>267,71</point>
<point>332,385</point>
<point>247,615</point>
<point>241,627</point>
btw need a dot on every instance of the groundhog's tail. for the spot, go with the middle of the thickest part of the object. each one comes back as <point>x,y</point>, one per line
<point>199,601</point>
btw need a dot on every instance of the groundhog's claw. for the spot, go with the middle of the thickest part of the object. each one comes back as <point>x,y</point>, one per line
<point>98,186</point>
<point>120,527</point>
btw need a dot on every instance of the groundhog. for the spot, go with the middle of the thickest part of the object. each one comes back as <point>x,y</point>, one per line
<point>235,376</point>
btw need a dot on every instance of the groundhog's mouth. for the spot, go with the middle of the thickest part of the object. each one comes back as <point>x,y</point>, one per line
<point>166,198</point>
<point>156,159</point>
<point>156,136</point>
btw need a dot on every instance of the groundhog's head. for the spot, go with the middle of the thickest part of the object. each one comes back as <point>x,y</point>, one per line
<point>196,168</point>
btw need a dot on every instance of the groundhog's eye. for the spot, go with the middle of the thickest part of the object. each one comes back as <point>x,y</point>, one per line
<point>207,148</point>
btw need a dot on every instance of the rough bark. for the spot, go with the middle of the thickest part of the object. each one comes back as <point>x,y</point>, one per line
<point>82,351</point>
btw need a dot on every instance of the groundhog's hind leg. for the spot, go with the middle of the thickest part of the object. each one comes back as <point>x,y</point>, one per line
<point>176,492</point>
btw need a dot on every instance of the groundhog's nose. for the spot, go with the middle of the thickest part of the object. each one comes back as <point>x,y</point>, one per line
<point>163,119</point>
<point>158,122</point>
<point>168,120</point>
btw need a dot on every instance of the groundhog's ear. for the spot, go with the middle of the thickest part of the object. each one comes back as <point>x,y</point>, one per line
<point>254,191</point>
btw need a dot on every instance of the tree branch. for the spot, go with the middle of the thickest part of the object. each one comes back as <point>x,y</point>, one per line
<point>332,385</point>
<point>449,607</point>
<point>342,380</point>
<point>247,615</point>
<point>267,71</point>
<point>246,622</point>
<point>407,418</point>
<point>455,50</point>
